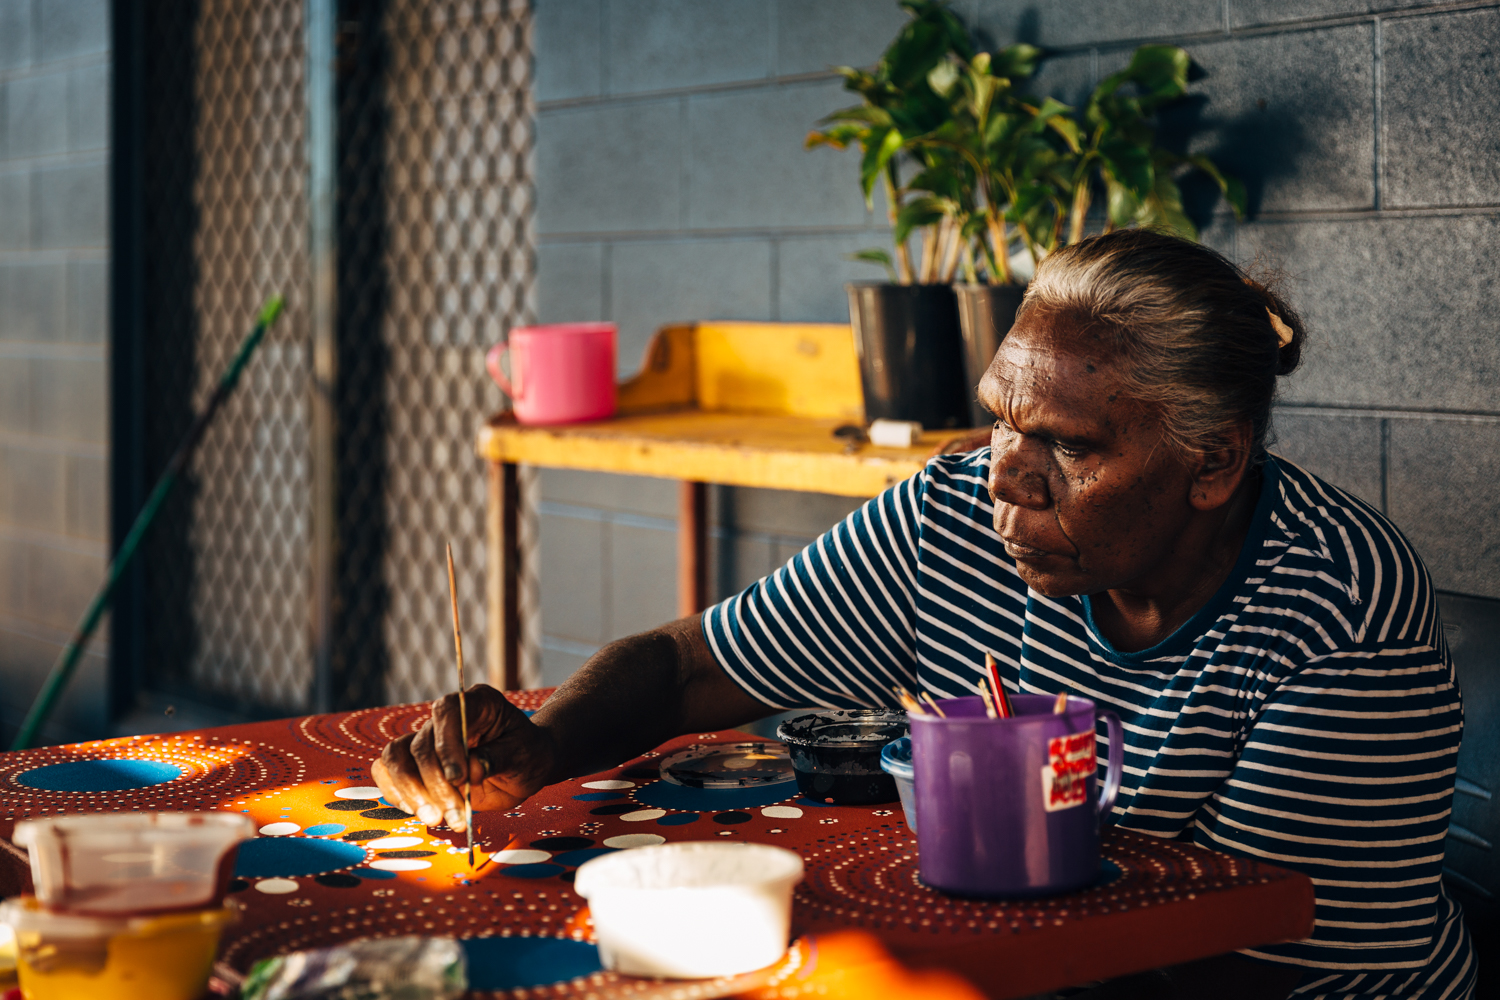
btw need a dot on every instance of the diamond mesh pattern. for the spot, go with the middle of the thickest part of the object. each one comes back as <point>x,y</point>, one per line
<point>226,576</point>
<point>434,265</point>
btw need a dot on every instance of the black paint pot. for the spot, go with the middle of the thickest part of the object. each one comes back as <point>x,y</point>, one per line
<point>836,754</point>
<point>911,358</point>
<point>985,314</point>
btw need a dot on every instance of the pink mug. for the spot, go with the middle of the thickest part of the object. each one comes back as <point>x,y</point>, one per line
<point>560,373</point>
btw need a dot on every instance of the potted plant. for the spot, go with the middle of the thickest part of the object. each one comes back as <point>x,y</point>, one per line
<point>906,330</point>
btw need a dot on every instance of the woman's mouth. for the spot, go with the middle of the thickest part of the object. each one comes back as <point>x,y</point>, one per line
<point>1020,550</point>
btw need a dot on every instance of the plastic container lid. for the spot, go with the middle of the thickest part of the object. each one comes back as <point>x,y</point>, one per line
<point>895,759</point>
<point>114,865</point>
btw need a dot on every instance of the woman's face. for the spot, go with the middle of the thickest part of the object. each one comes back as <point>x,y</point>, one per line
<point>1088,494</point>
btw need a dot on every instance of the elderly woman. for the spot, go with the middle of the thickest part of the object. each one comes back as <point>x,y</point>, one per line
<point>1270,642</point>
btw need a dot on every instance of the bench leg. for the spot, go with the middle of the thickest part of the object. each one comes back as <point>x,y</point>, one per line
<point>503,577</point>
<point>692,548</point>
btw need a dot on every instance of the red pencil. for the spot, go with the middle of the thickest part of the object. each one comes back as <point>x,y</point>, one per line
<point>1002,703</point>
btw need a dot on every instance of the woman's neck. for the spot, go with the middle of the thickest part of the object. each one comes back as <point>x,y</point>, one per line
<point>1204,555</point>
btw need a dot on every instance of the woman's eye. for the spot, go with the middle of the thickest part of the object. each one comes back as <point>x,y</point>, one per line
<point>1071,451</point>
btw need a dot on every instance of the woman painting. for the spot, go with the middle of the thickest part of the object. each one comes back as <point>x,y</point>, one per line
<point>1270,642</point>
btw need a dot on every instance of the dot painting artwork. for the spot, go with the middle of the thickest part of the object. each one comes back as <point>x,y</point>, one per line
<point>332,861</point>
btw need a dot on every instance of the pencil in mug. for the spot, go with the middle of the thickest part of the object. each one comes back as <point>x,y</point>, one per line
<point>1002,702</point>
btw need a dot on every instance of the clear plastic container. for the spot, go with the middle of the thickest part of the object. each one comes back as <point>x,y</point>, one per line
<point>895,760</point>
<point>691,910</point>
<point>65,956</point>
<point>136,863</point>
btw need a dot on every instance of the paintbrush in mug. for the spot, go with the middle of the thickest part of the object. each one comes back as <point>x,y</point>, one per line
<point>1002,702</point>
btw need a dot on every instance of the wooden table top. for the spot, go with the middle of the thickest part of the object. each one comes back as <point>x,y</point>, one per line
<point>331,865</point>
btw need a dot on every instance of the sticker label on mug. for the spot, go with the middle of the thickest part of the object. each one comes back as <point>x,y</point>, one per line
<point>1065,776</point>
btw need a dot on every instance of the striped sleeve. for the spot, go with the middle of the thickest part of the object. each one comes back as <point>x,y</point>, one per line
<point>1346,774</point>
<point>835,626</point>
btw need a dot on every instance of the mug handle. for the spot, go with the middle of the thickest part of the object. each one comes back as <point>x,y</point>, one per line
<point>1114,769</point>
<point>497,360</point>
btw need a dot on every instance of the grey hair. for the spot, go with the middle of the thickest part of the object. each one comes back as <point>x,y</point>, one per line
<point>1193,332</point>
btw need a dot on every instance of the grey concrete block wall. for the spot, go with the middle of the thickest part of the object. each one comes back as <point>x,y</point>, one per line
<point>672,185</point>
<point>54,424</point>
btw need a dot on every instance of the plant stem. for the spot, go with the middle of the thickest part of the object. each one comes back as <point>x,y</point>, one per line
<point>967,257</point>
<point>929,254</point>
<point>893,205</point>
<point>1080,209</point>
<point>952,245</point>
<point>998,237</point>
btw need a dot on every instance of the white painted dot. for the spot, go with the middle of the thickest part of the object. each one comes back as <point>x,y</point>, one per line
<point>781,812</point>
<point>279,829</point>
<point>625,841</point>
<point>387,843</point>
<point>276,886</point>
<point>609,785</point>
<point>400,864</point>
<point>641,815</point>
<point>519,857</point>
<point>361,792</point>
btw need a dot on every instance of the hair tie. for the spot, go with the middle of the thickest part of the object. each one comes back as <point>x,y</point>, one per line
<point>1283,332</point>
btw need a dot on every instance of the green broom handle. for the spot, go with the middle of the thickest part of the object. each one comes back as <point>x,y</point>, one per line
<point>67,662</point>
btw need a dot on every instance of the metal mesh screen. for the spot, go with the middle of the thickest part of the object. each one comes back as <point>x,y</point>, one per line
<point>435,106</point>
<point>433,255</point>
<point>226,572</point>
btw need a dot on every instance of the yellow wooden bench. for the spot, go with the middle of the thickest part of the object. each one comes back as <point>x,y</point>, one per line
<point>741,404</point>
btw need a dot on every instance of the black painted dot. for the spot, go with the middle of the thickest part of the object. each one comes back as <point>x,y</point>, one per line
<point>386,812</point>
<point>562,843</point>
<point>347,805</point>
<point>568,876</point>
<point>359,835</point>
<point>238,885</point>
<point>337,880</point>
<point>732,817</point>
<point>407,854</point>
<point>641,772</point>
<point>614,809</point>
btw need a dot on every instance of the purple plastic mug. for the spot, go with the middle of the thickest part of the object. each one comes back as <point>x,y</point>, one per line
<point>1010,807</point>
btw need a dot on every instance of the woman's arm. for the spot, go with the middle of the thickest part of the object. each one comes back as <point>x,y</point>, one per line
<point>631,696</point>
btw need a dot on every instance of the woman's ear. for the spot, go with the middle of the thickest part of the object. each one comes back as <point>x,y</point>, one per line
<point>1218,472</point>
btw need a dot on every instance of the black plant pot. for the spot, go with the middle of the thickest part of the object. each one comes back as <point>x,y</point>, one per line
<point>985,313</point>
<point>911,359</point>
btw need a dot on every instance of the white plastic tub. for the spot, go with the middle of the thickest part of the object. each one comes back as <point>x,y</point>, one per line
<point>107,864</point>
<point>691,910</point>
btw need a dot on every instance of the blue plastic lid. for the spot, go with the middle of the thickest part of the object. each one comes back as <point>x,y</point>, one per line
<point>895,758</point>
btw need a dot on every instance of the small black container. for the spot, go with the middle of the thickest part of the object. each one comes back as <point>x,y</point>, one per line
<point>836,754</point>
<point>985,314</point>
<point>911,358</point>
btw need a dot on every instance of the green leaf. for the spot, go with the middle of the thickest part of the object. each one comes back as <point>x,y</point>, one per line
<point>1164,208</point>
<point>1129,163</point>
<point>943,77</point>
<point>1016,61</point>
<point>1122,205</point>
<point>1160,70</point>
<point>877,155</point>
<point>874,255</point>
<point>859,113</point>
<point>917,213</point>
<point>1230,187</point>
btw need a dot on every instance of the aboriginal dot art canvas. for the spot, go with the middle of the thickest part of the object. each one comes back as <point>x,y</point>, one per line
<point>332,861</point>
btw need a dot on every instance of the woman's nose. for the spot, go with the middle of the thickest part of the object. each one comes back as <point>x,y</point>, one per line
<point>1015,481</point>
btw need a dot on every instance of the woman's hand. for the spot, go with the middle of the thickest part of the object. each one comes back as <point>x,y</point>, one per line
<point>424,773</point>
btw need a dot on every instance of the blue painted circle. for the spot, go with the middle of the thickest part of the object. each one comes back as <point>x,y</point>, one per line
<point>666,795</point>
<point>287,857</point>
<point>541,870</point>
<point>325,829</point>
<point>99,775</point>
<point>371,873</point>
<point>499,963</point>
<point>678,819</point>
<point>575,858</point>
<point>599,796</point>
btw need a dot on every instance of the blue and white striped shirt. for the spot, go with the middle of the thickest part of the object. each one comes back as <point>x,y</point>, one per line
<point>1307,715</point>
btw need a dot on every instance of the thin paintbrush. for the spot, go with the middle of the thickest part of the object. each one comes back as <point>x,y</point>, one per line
<point>1002,702</point>
<point>463,712</point>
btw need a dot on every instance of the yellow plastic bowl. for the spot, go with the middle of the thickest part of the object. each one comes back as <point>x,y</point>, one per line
<point>66,957</point>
